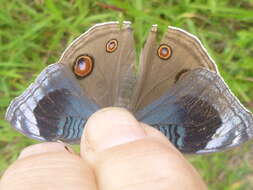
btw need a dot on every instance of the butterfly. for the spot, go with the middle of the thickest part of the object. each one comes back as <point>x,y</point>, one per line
<point>178,90</point>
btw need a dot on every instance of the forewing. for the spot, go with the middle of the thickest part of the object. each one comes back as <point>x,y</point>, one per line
<point>157,75</point>
<point>112,78</point>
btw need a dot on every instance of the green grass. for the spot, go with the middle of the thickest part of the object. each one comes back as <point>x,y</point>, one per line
<point>34,33</point>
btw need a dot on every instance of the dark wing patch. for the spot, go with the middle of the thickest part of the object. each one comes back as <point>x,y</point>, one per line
<point>204,114</point>
<point>53,108</point>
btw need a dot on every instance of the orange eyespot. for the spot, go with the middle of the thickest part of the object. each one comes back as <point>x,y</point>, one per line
<point>83,66</point>
<point>111,45</point>
<point>164,51</point>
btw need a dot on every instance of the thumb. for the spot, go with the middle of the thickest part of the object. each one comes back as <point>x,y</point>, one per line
<point>127,154</point>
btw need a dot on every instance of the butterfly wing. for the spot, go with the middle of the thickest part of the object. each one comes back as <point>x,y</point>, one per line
<point>199,114</point>
<point>52,108</point>
<point>157,74</point>
<point>112,79</point>
<point>57,105</point>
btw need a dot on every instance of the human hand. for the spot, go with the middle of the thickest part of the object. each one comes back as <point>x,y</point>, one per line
<point>117,152</point>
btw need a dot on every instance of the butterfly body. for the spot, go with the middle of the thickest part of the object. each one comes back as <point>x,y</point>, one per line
<point>177,91</point>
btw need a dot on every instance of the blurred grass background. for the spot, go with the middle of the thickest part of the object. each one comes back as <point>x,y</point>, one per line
<point>33,33</point>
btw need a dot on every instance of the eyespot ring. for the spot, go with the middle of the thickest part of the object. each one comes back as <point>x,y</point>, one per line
<point>111,45</point>
<point>164,51</point>
<point>83,66</point>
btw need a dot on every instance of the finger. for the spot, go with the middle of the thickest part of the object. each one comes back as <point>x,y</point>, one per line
<point>126,154</point>
<point>48,166</point>
<point>47,147</point>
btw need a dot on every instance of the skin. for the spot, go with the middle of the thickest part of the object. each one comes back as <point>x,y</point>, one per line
<point>117,153</point>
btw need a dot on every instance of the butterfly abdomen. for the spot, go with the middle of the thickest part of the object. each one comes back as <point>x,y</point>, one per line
<point>125,91</point>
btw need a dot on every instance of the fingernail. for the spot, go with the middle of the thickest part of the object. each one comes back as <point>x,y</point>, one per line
<point>111,127</point>
<point>47,147</point>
